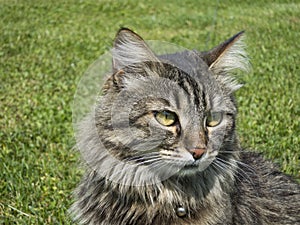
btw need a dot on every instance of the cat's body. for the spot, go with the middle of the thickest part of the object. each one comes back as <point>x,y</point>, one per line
<point>161,147</point>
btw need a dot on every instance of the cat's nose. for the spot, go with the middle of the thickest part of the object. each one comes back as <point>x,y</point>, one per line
<point>197,153</point>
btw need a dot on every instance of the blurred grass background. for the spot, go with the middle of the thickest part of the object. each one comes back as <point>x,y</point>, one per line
<point>46,46</point>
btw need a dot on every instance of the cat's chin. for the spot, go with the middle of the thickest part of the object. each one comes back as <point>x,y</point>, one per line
<point>194,168</point>
<point>188,170</point>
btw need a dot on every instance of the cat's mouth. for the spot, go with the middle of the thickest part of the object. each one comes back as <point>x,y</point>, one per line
<point>199,164</point>
<point>185,162</point>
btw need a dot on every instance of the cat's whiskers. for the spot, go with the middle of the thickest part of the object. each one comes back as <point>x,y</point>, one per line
<point>230,151</point>
<point>142,157</point>
<point>237,161</point>
<point>137,172</point>
<point>228,163</point>
<point>111,171</point>
<point>234,164</point>
<point>153,161</point>
<point>233,151</point>
<point>251,169</point>
<point>147,161</point>
<point>159,160</point>
<point>157,165</point>
<point>220,168</point>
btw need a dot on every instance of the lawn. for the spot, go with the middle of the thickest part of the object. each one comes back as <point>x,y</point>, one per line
<point>46,46</point>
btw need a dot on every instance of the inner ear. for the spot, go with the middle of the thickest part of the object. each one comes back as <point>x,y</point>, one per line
<point>129,49</point>
<point>228,55</point>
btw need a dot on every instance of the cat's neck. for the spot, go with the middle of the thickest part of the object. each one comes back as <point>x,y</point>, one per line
<point>174,199</point>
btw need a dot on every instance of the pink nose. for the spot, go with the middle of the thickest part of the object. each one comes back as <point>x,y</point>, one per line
<point>197,152</point>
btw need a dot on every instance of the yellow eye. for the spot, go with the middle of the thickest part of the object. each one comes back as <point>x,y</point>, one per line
<point>214,119</point>
<point>166,118</point>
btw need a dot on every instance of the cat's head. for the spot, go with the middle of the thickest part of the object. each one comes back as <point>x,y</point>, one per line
<point>166,115</point>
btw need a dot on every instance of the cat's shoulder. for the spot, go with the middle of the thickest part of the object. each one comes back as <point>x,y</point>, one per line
<point>263,194</point>
<point>260,168</point>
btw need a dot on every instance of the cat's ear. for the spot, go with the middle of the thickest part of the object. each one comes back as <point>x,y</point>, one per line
<point>228,56</point>
<point>129,48</point>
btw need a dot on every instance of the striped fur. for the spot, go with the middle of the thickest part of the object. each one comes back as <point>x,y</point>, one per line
<point>139,171</point>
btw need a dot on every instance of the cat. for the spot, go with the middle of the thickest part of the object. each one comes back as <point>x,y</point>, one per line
<point>161,146</point>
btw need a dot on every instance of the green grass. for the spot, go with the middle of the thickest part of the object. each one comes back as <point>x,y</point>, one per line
<point>45,47</point>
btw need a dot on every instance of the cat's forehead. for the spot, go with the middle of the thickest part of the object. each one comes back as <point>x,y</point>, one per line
<point>189,62</point>
<point>193,72</point>
<point>171,87</point>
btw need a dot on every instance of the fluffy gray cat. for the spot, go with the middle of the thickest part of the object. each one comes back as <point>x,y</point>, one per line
<point>161,146</point>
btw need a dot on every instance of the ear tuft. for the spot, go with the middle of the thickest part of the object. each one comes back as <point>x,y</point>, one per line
<point>129,48</point>
<point>229,55</point>
<point>226,57</point>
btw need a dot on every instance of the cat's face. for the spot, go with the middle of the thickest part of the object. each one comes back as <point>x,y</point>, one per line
<point>174,114</point>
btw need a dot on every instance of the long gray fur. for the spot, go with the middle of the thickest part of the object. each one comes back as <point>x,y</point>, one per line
<point>139,172</point>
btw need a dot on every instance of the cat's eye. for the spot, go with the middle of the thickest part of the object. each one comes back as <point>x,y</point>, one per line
<point>213,119</point>
<point>166,118</point>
